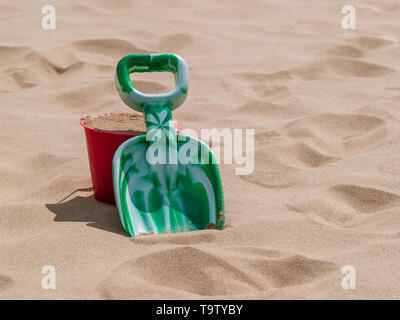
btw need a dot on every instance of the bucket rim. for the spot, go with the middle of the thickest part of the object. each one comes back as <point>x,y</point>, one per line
<point>82,123</point>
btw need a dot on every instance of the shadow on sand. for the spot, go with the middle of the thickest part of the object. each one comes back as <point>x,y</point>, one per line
<point>87,209</point>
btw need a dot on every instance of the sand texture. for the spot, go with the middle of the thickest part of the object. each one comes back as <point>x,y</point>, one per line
<point>324,104</point>
<point>123,123</point>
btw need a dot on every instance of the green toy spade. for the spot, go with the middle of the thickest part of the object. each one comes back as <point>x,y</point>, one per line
<point>163,182</point>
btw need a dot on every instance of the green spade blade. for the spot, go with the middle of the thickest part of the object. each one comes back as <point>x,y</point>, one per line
<point>146,206</point>
<point>163,182</point>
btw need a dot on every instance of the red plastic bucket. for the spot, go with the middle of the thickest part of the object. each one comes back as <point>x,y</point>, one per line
<point>101,146</point>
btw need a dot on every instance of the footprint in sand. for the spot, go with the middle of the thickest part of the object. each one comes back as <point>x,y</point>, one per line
<point>28,68</point>
<point>338,134</point>
<point>301,155</point>
<point>345,205</point>
<point>365,199</point>
<point>335,126</point>
<point>325,211</point>
<point>194,272</point>
<point>311,142</point>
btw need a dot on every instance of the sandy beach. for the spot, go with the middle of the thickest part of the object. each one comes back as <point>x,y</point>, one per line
<point>324,105</point>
